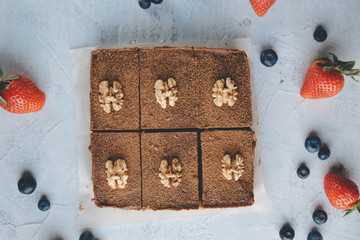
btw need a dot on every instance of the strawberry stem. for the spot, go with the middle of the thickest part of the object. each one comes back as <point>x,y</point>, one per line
<point>346,68</point>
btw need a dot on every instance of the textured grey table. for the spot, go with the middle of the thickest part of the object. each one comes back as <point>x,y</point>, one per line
<point>35,39</point>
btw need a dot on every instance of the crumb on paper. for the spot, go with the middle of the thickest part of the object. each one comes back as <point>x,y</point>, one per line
<point>80,207</point>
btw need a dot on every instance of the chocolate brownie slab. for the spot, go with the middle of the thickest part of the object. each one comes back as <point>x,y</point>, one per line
<point>216,64</point>
<point>169,145</point>
<point>114,146</point>
<point>217,191</point>
<point>119,65</point>
<point>164,63</point>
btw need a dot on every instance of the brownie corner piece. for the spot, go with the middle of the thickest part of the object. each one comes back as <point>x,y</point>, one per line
<point>114,89</point>
<point>220,188</point>
<point>213,65</point>
<point>166,194</point>
<point>118,148</point>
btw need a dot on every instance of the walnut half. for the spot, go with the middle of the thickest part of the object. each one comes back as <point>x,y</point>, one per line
<point>110,97</point>
<point>232,168</point>
<point>170,175</point>
<point>224,92</point>
<point>116,173</point>
<point>166,91</point>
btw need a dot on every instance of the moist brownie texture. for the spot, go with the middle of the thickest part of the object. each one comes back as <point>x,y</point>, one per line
<point>212,65</point>
<point>115,65</point>
<point>168,145</point>
<point>217,191</point>
<point>164,63</point>
<point>113,146</point>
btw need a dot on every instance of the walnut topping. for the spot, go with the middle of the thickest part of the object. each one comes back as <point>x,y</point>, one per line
<point>116,173</point>
<point>232,168</point>
<point>170,175</point>
<point>164,91</point>
<point>224,92</point>
<point>110,96</point>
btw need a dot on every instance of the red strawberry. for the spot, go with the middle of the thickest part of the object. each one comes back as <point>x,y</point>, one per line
<point>324,78</point>
<point>18,94</point>
<point>342,193</point>
<point>261,6</point>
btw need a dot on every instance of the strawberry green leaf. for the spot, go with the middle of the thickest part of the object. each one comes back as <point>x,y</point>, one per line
<point>353,78</point>
<point>1,73</point>
<point>347,213</point>
<point>356,206</point>
<point>2,100</point>
<point>326,68</point>
<point>324,59</point>
<point>4,85</point>
<point>345,68</point>
<point>335,58</point>
<point>324,64</point>
<point>11,77</point>
<point>348,65</point>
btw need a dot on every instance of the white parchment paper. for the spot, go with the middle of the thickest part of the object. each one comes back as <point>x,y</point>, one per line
<point>91,216</point>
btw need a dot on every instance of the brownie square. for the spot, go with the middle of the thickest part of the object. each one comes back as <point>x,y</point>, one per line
<point>164,63</point>
<point>217,191</point>
<point>113,146</point>
<point>215,64</point>
<point>115,65</point>
<point>168,145</point>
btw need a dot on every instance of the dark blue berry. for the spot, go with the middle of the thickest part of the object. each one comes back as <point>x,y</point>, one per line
<point>44,204</point>
<point>144,4</point>
<point>312,144</point>
<point>320,34</point>
<point>156,1</point>
<point>303,172</point>
<point>314,236</point>
<point>26,184</point>
<point>87,235</point>
<point>287,233</point>
<point>320,216</point>
<point>268,57</point>
<point>324,153</point>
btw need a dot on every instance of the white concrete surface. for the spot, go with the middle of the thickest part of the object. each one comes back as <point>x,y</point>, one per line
<point>35,39</point>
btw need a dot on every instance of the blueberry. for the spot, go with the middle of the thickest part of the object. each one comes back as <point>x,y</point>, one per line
<point>156,1</point>
<point>324,153</point>
<point>312,144</point>
<point>27,184</point>
<point>314,236</point>
<point>144,4</point>
<point>268,57</point>
<point>320,216</point>
<point>87,235</point>
<point>303,172</point>
<point>44,204</point>
<point>287,233</point>
<point>320,34</point>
